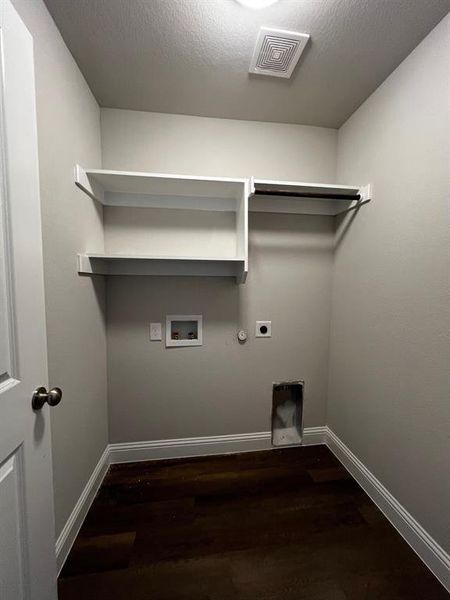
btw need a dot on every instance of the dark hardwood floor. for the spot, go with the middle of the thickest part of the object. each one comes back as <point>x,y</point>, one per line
<point>284,524</point>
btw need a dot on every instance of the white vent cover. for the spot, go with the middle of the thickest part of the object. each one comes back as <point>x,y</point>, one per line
<point>277,52</point>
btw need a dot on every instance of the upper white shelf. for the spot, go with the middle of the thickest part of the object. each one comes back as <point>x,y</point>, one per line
<point>157,190</point>
<point>305,198</point>
<point>129,188</point>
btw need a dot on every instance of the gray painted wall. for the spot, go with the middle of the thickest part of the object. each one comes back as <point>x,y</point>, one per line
<point>142,141</point>
<point>69,133</point>
<point>152,231</point>
<point>390,346</point>
<point>222,387</point>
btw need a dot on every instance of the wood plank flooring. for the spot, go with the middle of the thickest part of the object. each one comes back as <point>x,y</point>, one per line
<point>284,524</point>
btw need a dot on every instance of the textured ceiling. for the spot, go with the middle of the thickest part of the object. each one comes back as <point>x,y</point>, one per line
<point>192,56</point>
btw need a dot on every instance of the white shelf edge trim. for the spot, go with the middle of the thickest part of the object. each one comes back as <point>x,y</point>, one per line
<point>104,264</point>
<point>430,552</point>
<point>216,193</point>
<point>149,174</point>
<point>162,258</point>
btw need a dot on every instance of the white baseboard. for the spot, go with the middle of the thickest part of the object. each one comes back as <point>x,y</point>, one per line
<point>160,449</point>
<point>70,530</point>
<point>433,555</point>
<point>203,446</point>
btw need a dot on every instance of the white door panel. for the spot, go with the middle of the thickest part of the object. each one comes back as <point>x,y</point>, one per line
<point>12,558</point>
<point>27,547</point>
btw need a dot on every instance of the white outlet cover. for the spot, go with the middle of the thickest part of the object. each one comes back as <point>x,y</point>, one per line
<point>155,332</point>
<point>259,333</point>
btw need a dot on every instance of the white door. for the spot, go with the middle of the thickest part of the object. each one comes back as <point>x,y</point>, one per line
<point>27,545</point>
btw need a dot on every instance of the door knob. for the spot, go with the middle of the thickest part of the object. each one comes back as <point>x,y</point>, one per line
<point>41,396</point>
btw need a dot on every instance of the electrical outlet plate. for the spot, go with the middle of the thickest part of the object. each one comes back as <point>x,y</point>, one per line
<point>263,329</point>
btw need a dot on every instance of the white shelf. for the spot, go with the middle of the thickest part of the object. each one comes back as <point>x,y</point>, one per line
<point>130,264</point>
<point>301,197</point>
<point>136,190</point>
<point>157,190</point>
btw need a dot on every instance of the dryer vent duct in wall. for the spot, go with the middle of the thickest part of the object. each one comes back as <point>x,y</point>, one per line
<point>277,52</point>
<point>287,413</point>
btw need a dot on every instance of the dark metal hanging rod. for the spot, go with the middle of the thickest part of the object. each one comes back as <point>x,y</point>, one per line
<point>322,195</point>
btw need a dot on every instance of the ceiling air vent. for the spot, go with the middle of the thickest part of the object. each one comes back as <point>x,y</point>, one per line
<point>277,52</point>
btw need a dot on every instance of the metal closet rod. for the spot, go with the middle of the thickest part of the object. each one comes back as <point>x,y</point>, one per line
<point>324,195</point>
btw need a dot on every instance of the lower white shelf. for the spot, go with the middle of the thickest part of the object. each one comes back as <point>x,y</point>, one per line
<point>128,264</point>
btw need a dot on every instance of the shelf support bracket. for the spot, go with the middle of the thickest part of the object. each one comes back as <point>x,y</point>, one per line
<point>82,181</point>
<point>365,196</point>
